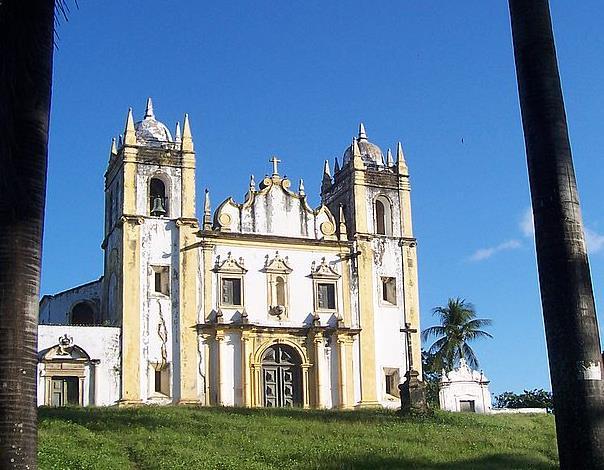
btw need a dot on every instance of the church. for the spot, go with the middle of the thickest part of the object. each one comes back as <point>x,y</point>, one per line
<point>260,302</point>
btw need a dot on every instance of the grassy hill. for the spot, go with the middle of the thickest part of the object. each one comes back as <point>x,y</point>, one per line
<point>236,438</point>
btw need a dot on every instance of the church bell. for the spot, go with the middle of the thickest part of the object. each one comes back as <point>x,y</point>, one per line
<point>158,209</point>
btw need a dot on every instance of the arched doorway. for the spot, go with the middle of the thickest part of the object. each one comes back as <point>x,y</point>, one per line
<point>82,314</point>
<point>281,377</point>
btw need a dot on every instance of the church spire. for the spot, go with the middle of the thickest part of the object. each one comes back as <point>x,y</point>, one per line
<point>336,166</point>
<point>207,212</point>
<point>113,147</point>
<point>342,224</point>
<point>130,132</point>
<point>326,181</point>
<point>149,114</point>
<point>357,161</point>
<point>362,133</point>
<point>177,137</point>
<point>400,159</point>
<point>389,160</point>
<point>326,171</point>
<point>187,138</point>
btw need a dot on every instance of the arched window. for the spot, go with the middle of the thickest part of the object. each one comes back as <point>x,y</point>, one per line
<point>82,314</point>
<point>158,203</point>
<point>280,286</point>
<point>383,216</point>
<point>379,218</point>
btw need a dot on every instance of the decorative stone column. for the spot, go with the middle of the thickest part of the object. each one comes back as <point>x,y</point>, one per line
<point>342,376</point>
<point>319,343</point>
<point>246,372</point>
<point>305,394</point>
<point>206,367</point>
<point>219,366</point>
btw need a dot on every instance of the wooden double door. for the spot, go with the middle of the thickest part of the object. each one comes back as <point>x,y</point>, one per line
<point>65,391</point>
<point>282,381</point>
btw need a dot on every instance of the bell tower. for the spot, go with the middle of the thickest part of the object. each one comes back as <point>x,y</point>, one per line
<point>149,282</point>
<point>372,193</point>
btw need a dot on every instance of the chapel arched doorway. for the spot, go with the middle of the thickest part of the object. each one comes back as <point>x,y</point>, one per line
<point>281,377</point>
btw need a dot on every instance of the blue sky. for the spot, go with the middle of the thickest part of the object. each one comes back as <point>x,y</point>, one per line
<point>294,79</point>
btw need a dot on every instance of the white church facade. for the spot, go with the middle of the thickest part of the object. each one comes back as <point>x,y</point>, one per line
<point>262,302</point>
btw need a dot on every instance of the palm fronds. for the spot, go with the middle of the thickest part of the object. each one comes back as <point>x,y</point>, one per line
<point>458,326</point>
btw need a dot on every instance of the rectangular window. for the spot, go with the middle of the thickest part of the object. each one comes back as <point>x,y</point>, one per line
<point>389,290</point>
<point>231,293</point>
<point>161,380</point>
<point>326,296</point>
<point>392,379</point>
<point>467,406</point>
<point>161,279</point>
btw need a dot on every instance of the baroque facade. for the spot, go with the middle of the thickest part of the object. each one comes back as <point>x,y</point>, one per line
<point>264,302</point>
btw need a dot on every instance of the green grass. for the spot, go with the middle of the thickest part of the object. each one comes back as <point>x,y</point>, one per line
<point>237,438</point>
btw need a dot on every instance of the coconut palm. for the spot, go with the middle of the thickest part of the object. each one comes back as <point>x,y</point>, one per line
<point>26,49</point>
<point>458,326</point>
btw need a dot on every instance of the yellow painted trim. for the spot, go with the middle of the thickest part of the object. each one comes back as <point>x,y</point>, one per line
<point>346,289</point>
<point>189,361</point>
<point>294,244</point>
<point>131,322</point>
<point>367,335</point>
<point>278,338</point>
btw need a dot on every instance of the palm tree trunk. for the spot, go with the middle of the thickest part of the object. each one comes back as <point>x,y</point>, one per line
<point>566,293</point>
<point>26,49</point>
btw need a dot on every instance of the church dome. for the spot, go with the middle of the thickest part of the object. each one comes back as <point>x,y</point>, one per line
<point>151,132</point>
<point>370,153</point>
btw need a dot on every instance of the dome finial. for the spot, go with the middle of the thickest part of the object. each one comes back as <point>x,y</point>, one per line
<point>362,133</point>
<point>149,110</point>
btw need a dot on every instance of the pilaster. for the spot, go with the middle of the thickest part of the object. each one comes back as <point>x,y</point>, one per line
<point>188,262</point>
<point>411,303</point>
<point>343,372</point>
<point>221,368</point>
<point>246,372</point>
<point>319,369</point>
<point>131,316</point>
<point>188,185</point>
<point>367,334</point>
<point>206,253</point>
<point>207,369</point>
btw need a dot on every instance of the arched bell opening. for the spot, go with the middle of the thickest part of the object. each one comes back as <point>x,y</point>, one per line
<point>158,202</point>
<point>281,377</point>
<point>383,216</point>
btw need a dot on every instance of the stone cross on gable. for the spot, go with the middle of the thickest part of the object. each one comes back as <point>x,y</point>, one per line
<point>275,161</point>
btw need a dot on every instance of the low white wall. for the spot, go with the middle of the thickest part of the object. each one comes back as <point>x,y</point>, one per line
<point>519,411</point>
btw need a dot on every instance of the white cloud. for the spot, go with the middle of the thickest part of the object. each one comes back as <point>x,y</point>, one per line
<point>485,253</point>
<point>526,223</point>
<point>593,240</point>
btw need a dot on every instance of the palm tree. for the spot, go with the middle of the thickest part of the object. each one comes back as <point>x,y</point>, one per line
<point>26,50</point>
<point>458,326</point>
<point>571,326</point>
